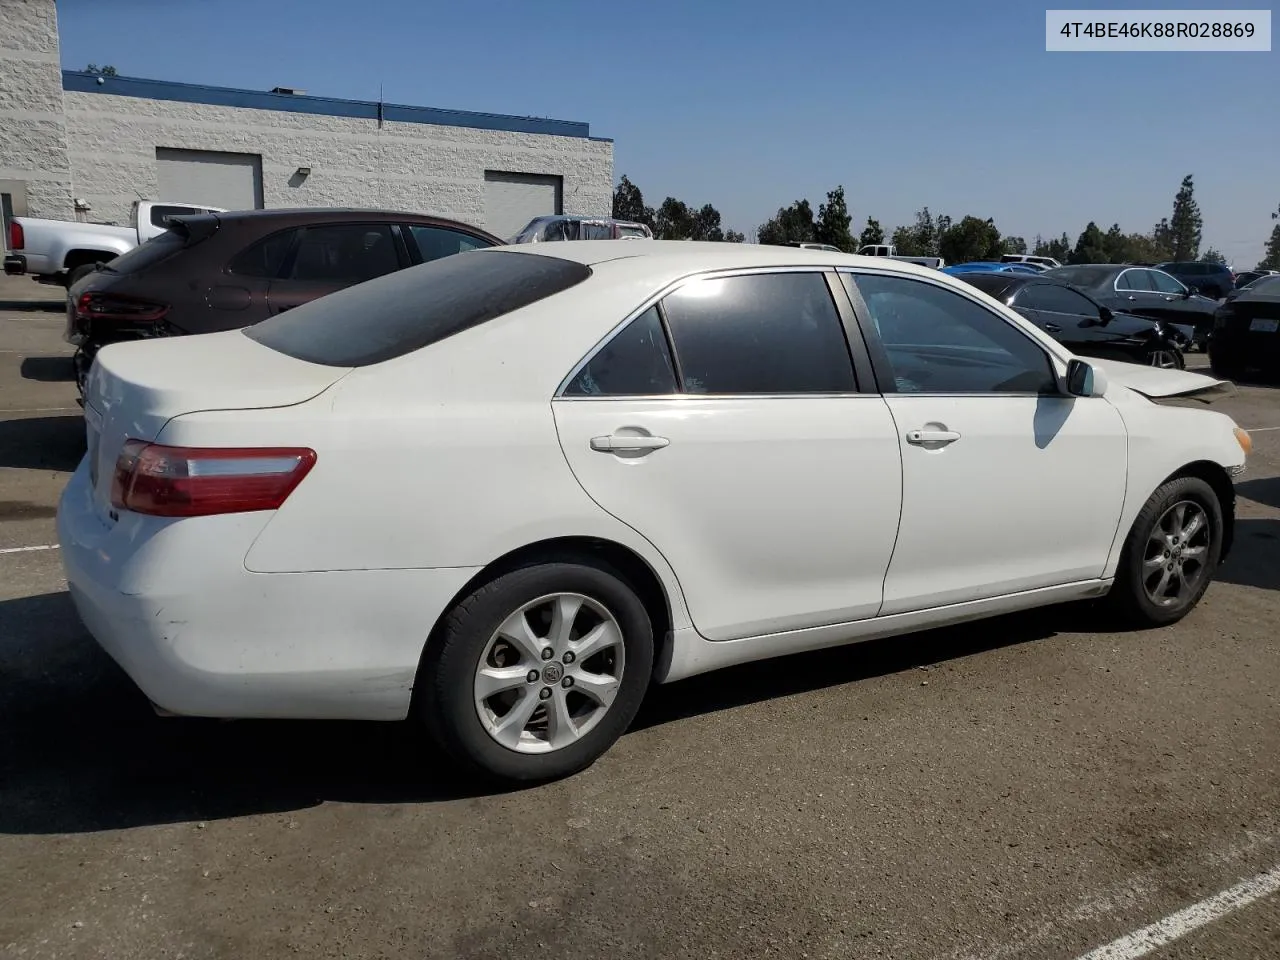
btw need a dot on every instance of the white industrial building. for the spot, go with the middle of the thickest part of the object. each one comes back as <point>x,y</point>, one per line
<point>77,145</point>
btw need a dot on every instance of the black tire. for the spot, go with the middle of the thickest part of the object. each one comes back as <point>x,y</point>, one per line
<point>1129,597</point>
<point>78,274</point>
<point>446,701</point>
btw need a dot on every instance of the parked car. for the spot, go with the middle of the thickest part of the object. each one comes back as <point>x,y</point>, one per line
<point>229,270</point>
<point>63,251</point>
<point>891,252</point>
<point>1209,279</point>
<point>1246,331</point>
<point>981,266</point>
<point>1081,324</point>
<point>1030,258</point>
<point>813,246</point>
<point>505,491</point>
<point>1248,276</point>
<point>1144,291</point>
<point>566,227</point>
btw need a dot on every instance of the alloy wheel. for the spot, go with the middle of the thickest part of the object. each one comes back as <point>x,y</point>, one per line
<point>549,673</point>
<point>1164,359</point>
<point>1174,563</point>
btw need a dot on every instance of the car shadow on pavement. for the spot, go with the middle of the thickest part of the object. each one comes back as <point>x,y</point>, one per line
<point>81,749</point>
<point>34,306</point>
<point>1263,490</point>
<point>767,679</point>
<point>48,369</point>
<point>42,443</point>
<point>1254,560</point>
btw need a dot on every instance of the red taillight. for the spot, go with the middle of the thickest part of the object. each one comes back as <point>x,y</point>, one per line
<point>17,237</point>
<point>200,481</point>
<point>106,306</point>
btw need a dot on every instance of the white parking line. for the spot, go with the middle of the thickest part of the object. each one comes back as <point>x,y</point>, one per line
<point>36,409</point>
<point>1260,429</point>
<point>44,546</point>
<point>1142,942</point>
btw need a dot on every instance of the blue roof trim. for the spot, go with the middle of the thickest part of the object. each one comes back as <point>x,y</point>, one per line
<point>79,81</point>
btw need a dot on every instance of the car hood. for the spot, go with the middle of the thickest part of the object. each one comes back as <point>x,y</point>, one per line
<point>1156,383</point>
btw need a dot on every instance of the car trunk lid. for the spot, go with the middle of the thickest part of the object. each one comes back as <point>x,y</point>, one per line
<point>135,388</point>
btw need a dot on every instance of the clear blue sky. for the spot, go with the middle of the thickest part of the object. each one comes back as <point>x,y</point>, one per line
<point>752,104</point>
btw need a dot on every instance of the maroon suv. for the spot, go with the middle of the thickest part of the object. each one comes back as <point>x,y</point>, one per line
<point>229,270</point>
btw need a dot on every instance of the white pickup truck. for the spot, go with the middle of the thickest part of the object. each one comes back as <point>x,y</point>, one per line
<point>63,251</point>
<point>890,251</point>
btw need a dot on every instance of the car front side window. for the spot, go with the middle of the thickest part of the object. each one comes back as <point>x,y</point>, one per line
<point>1136,280</point>
<point>937,341</point>
<point>768,333</point>
<point>1165,283</point>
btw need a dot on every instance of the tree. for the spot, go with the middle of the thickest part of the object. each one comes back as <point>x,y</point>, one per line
<point>107,71</point>
<point>628,204</point>
<point>872,234</point>
<point>1186,224</point>
<point>733,236</point>
<point>1090,247</point>
<point>970,239</point>
<point>676,220</point>
<point>1115,245</point>
<point>832,225</point>
<point>1271,256</point>
<point>789,225</point>
<point>1013,245</point>
<point>1210,255</point>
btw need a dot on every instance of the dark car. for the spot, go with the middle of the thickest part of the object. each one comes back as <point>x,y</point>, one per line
<point>1144,291</point>
<point>1080,324</point>
<point>1211,279</point>
<point>1248,276</point>
<point>1246,331</point>
<point>224,271</point>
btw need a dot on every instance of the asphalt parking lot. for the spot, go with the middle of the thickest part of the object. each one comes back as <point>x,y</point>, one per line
<point>1033,786</point>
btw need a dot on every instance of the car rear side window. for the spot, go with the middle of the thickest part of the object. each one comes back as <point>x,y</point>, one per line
<point>1134,280</point>
<point>634,363</point>
<point>411,309</point>
<point>1055,299</point>
<point>345,253</point>
<point>772,333</point>
<point>265,258</point>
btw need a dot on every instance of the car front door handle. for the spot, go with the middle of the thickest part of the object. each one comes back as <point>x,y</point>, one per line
<point>924,438</point>
<point>615,443</point>
<point>1053,328</point>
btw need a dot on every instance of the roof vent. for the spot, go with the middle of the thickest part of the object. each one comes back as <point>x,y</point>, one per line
<point>290,91</point>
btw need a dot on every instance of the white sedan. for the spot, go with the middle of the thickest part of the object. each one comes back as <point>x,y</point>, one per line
<point>505,491</point>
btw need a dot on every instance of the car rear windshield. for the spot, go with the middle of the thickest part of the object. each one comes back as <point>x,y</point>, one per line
<point>408,310</point>
<point>144,255</point>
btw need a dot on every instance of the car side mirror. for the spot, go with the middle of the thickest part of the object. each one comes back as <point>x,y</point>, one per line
<point>1105,315</point>
<point>1085,380</point>
<point>1189,292</point>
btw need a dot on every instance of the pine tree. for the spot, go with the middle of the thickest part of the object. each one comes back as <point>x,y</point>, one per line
<point>832,225</point>
<point>1186,225</point>
<point>873,234</point>
<point>1271,257</point>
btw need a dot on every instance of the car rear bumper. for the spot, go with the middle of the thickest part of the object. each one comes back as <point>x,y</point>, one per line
<point>172,603</point>
<point>15,265</point>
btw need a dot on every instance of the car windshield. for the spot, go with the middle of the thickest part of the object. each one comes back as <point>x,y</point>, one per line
<point>410,309</point>
<point>1081,276</point>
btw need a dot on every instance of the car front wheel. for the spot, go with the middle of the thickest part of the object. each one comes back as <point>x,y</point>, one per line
<point>535,674</point>
<point>1171,554</point>
<point>1164,357</point>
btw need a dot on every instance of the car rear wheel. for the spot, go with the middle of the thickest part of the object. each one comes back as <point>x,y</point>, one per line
<point>78,274</point>
<point>536,673</point>
<point>1171,554</point>
<point>1225,367</point>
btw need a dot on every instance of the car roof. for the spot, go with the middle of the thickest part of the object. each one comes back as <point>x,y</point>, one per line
<point>709,255</point>
<point>303,215</point>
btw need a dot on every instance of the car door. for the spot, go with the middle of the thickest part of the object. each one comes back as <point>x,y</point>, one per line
<point>748,456</point>
<point>1136,293</point>
<point>331,256</point>
<point>1069,317</point>
<point>1007,484</point>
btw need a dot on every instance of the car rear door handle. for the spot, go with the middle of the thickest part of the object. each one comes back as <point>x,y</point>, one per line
<point>922,438</point>
<point>615,443</point>
<point>1053,328</point>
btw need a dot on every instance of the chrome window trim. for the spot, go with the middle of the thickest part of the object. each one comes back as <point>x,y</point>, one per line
<point>652,301</point>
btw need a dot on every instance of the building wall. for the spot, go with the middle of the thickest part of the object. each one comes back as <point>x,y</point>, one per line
<point>418,167</point>
<point>33,137</point>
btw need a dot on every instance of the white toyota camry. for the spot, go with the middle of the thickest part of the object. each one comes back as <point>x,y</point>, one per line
<point>505,491</point>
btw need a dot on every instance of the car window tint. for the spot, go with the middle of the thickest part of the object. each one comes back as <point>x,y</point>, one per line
<point>411,309</point>
<point>635,362</point>
<point>1133,280</point>
<point>1163,282</point>
<point>763,333</point>
<point>938,341</point>
<point>1269,285</point>
<point>345,253</point>
<point>1054,298</point>
<point>436,242</point>
<point>596,231</point>
<point>264,258</point>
